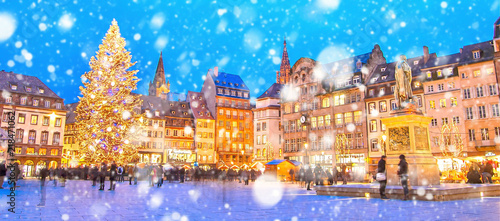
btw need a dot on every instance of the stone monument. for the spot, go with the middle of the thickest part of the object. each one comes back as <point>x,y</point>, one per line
<point>408,133</point>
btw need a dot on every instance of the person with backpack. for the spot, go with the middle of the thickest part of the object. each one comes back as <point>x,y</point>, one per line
<point>120,173</point>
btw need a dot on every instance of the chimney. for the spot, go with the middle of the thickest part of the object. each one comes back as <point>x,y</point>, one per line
<point>216,71</point>
<point>426,54</point>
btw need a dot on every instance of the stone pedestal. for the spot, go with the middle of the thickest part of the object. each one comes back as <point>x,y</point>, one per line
<point>408,133</point>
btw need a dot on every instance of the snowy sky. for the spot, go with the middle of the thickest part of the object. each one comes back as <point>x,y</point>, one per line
<point>54,40</point>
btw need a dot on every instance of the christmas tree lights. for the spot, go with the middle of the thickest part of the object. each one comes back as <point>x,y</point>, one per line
<point>107,125</point>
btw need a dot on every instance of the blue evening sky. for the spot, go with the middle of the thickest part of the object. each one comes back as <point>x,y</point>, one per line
<point>54,40</point>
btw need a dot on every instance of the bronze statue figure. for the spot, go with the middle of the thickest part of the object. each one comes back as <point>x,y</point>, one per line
<point>402,91</point>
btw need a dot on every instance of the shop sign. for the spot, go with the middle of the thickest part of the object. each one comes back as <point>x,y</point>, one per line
<point>489,154</point>
<point>180,151</point>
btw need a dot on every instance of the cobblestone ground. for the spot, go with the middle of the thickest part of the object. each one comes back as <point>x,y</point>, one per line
<point>225,201</point>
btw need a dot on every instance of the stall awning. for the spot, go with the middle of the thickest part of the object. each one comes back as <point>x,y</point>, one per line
<point>275,162</point>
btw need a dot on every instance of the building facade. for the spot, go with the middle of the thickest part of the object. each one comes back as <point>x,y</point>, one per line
<point>204,131</point>
<point>40,119</point>
<point>267,122</point>
<point>228,99</point>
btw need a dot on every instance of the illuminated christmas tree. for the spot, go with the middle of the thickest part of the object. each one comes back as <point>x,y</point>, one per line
<point>106,121</point>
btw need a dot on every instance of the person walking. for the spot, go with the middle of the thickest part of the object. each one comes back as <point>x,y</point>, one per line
<point>382,179</point>
<point>317,174</point>
<point>309,177</point>
<point>182,173</point>
<point>94,173</point>
<point>329,176</point>
<point>120,173</point>
<point>343,172</point>
<point>85,172</point>
<point>43,175</point>
<point>292,174</point>
<point>302,175</point>
<point>130,171</point>
<point>136,174</point>
<point>112,175</point>
<point>63,173</point>
<point>161,173</point>
<point>3,173</point>
<point>102,175</point>
<point>403,175</point>
<point>56,175</point>
<point>335,174</point>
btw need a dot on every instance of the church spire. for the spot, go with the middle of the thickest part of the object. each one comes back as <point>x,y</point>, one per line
<point>158,86</point>
<point>284,67</point>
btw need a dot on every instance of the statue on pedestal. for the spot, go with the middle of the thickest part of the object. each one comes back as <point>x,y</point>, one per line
<point>402,91</point>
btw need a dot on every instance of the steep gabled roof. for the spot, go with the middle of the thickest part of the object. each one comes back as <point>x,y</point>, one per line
<point>198,106</point>
<point>23,82</point>
<point>272,92</point>
<point>228,80</point>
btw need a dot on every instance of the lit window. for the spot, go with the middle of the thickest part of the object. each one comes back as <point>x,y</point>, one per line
<point>454,102</point>
<point>373,125</point>
<point>13,87</point>
<point>415,62</point>
<point>429,74</point>
<point>41,90</point>
<point>432,104</point>
<point>439,73</point>
<point>477,73</point>
<point>34,119</point>
<point>338,119</point>
<point>489,71</point>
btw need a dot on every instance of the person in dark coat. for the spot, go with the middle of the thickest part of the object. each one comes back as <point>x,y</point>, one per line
<point>136,174</point>
<point>63,173</point>
<point>330,177</point>
<point>253,175</point>
<point>102,175</point>
<point>85,172</point>
<point>317,174</point>
<point>309,177</point>
<point>335,174</point>
<point>3,173</point>
<point>383,183</point>
<point>112,175</point>
<point>403,174</point>
<point>44,172</point>
<point>182,173</point>
<point>488,173</point>
<point>130,171</point>
<point>292,174</point>
<point>95,173</point>
<point>343,172</point>
<point>57,173</point>
<point>473,176</point>
<point>302,175</point>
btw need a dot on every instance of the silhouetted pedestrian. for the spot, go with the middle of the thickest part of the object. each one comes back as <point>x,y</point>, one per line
<point>403,175</point>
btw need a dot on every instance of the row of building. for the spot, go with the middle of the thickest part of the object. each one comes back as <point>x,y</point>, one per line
<point>313,112</point>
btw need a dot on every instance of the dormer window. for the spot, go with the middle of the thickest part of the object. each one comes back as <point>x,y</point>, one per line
<point>382,69</point>
<point>183,106</point>
<point>41,90</point>
<point>185,113</point>
<point>243,85</point>
<point>157,113</point>
<point>429,74</point>
<point>208,114</point>
<point>236,84</point>
<point>202,106</point>
<point>200,113</point>
<point>199,98</point>
<point>440,73</point>
<point>384,77</point>
<point>230,84</point>
<point>223,82</point>
<point>173,112</point>
<point>476,54</point>
<point>28,89</point>
<point>171,104</point>
<point>415,62</point>
<point>217,81</point>
<point>375,79</point>
<point>357,80</point>
<point>13,87</point>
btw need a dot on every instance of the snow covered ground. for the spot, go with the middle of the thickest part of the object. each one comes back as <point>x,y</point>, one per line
<point>225,201</point>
